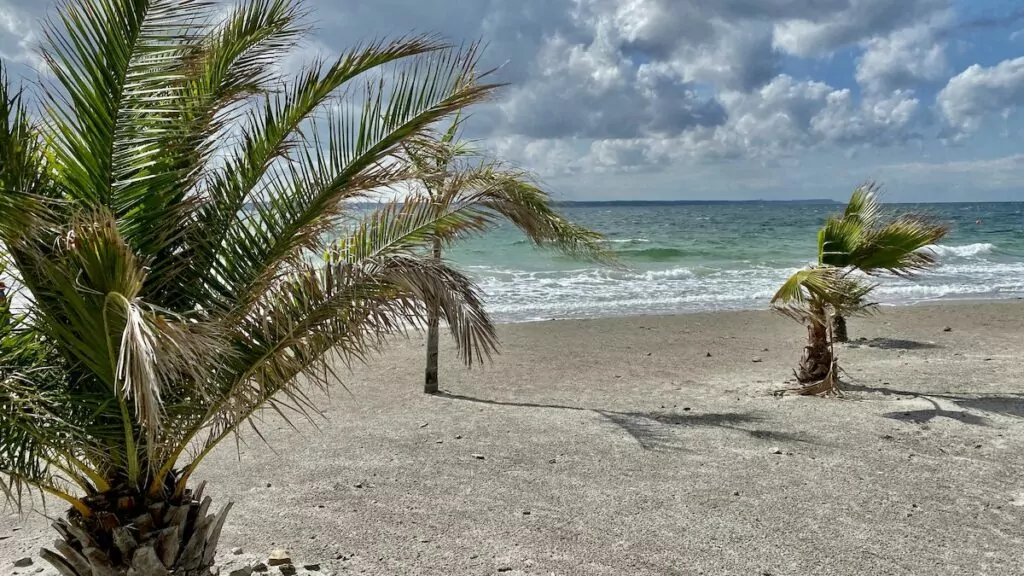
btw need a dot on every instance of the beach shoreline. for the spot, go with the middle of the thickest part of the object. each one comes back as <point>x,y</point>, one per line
<point>648,445</point>
<point>765,307</point>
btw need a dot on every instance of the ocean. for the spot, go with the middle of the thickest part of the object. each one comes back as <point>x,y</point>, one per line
<point>726,256</point>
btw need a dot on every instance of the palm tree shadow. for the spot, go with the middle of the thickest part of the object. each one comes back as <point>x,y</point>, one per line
<point>974,408</point>
<point>660,430</point>
<point>893,344</point>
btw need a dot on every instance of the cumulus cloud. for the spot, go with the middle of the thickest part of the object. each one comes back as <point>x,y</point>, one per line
<point>904,59</point>
<point>591,91</point>
<point>785,117</point>
<point>979,91</point>
<point>810,36</point>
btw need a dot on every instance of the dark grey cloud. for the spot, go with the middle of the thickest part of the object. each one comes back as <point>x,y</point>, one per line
<point>592,92</point>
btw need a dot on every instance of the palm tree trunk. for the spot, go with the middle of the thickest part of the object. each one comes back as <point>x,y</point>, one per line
<point>839,329</point>
<point>816,363</point>
<point>430,384</point>
<point>128,535</point>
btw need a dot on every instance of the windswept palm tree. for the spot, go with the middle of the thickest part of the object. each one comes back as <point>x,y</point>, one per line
<point>862,240</point>
<point>456,177</point>
<point>168,214</point>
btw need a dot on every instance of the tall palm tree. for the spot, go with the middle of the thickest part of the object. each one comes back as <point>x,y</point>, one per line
<point>454,177</point>
<point>852,247</point>
<point>168,213</point>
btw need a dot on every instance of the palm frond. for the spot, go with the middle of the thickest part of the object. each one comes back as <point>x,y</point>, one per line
<point>838,240</point>
<point>851,296</point>
<point>174,222</point>
<point>899,247</point>
<point>451,172</point>
<point>22,176</point>
<point>90,309</point>
<point>811,289</point>
<point>272,131</point>
<point>116,68</point>
<point>530,209</point>
<point>408,227</point>
<point>305,199</point>
<point>35,441</point>
<point>863,205</point>
<point>374,286</point>
<point>237,62</point>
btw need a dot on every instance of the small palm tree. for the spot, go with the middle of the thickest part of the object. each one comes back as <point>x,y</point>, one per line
<point>167,217</point>
<point>861,240</point>
<point>455,177</point>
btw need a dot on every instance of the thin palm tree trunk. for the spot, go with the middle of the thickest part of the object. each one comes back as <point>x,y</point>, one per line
<point>430,384</point>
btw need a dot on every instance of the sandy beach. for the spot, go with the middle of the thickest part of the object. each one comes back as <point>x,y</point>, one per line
<point>652,446</point>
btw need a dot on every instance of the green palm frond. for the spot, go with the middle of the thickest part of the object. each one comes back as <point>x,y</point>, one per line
<point>811,289</point>
<point>410,225</point>
<point>851,296</point>
<point>259,173</point>
<point>450,171</point>
<point>117,68</point>
<point>375,286</point>
<point>838,240</point>
<point>530,209</point>
<point>306,198</point>
<point>35,439</point>
<point>177,221</point>
<point>899,247</point>
<point>863,205</point>
<point>22,177</point>
<point>795,297</point>
<point>864,239</point>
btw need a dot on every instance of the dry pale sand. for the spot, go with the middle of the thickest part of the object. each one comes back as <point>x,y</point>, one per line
<point>619,447</point>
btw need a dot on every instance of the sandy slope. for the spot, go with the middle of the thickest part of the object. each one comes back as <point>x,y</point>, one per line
<point>618,447</point>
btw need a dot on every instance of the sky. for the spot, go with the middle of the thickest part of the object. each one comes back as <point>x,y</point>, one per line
<point>716,99</point>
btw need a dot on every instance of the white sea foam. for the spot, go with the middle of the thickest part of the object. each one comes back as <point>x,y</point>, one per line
<point>670,274</point>
<point>965,251</point>
<point>586,293</point>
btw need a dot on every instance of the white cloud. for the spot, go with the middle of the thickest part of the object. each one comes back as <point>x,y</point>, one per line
<point>788,115</point>
<point>855,21</point>
<point>592,91</point>
<point>904,59</point>
<point>781,119</point>
<point>18,37</point>
<point>979,91</point>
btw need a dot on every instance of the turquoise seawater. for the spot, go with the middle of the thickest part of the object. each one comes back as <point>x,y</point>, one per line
<point>686,258</point>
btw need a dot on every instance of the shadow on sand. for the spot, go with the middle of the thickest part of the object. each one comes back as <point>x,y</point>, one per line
<point>659,430</point>
<point>1011,405</point>
<point>893,344</point>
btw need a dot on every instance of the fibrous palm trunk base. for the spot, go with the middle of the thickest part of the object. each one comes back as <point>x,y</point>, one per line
<point>128,539</point>
<point>819,369</point>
